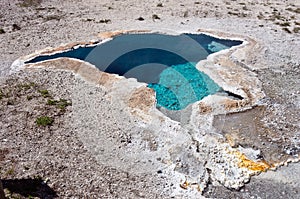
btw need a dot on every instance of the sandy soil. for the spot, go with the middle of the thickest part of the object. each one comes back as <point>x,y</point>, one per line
<point>57,160</point>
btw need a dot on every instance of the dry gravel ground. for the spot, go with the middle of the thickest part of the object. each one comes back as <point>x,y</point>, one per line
<point>53,159</point>
<point>54,153</point>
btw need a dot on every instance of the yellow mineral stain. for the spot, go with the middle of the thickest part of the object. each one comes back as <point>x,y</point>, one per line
<point>245,162</point>
<point>184,185</point>
<point>231,140</point>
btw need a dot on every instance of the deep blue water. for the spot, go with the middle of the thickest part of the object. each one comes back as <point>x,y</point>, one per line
<point>165,62</point>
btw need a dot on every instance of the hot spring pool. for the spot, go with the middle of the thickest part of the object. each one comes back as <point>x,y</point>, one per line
<point>165,62</point>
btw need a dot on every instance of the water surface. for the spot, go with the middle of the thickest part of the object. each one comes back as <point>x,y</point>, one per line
<point>165,62</point>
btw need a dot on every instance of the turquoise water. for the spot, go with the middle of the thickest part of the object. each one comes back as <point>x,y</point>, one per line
<point>181,85</point>
<point>165,62</point>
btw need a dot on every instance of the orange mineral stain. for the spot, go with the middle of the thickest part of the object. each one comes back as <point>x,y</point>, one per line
<point>245,162</point>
